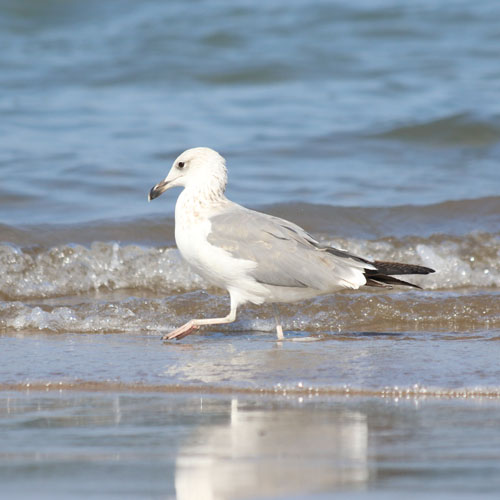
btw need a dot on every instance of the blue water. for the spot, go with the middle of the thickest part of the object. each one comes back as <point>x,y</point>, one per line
<point>370,103</point>
<point>375,124</point>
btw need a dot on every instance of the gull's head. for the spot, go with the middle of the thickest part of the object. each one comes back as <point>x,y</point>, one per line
<point>202,169</point>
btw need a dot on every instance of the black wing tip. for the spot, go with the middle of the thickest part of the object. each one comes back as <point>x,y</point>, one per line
<point>424,270</point>
<point>397,268</point>
<point>383,275</point>
<point>385,281</point>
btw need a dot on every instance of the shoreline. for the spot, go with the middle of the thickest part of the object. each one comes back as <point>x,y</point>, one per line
<point>418,393</point>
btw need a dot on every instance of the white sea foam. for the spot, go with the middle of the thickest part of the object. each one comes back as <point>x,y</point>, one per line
<point>350,311</point>
<point>470,261</point>
<point>75,269</point>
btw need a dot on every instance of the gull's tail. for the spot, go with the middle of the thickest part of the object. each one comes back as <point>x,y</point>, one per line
<point>382,276</point>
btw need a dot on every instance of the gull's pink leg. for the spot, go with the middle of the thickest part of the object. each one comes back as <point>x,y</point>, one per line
<point>194,324</point>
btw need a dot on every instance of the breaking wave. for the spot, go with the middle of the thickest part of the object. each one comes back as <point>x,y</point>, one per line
<point>73,279</point>
<point>410,313</point>
<point>71,269</point>
<point>75,269</point>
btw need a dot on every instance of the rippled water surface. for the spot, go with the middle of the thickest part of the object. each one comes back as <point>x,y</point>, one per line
<point>375,125</point>
<point>189,446</point>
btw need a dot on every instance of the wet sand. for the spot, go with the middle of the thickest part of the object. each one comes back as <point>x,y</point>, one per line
<point>240,415</point>
<point>74,444</point>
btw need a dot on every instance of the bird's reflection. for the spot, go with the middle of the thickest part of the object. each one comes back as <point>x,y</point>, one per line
<point>273,452</point>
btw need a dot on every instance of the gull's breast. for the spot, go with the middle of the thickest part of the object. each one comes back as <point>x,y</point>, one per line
<point>215,264</point>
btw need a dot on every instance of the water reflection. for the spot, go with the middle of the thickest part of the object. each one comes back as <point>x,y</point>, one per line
<point>275,451</point>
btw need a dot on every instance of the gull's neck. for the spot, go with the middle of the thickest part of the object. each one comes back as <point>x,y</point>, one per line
<point>197,202</point>
<point>206,192</point>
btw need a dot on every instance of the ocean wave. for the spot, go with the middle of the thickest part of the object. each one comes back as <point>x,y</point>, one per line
<point>459,262</point>
<point>71,269</point>
<point>457,129</point>
<point>74,269</point>
<point>99,317</point>
<point>349,315</point>
<point>456,218</point>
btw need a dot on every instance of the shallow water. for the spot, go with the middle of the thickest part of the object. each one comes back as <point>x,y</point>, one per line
<point>364,361</point>
<point>374,125</point>
<point>188,446</point>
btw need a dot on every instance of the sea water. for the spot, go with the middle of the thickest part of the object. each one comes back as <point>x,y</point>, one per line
<point>374,125</point>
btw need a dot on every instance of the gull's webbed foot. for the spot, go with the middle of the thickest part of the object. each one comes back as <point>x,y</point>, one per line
<point>181,332</point>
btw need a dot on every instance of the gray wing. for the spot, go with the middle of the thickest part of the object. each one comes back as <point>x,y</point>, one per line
<point>285,254</point>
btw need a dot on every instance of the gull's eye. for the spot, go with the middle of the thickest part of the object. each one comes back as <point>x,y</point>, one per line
<point>180,164</point>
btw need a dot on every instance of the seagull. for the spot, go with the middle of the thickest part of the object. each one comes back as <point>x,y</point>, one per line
<point>256,257</point>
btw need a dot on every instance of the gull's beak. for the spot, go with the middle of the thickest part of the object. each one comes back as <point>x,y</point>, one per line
<point>157,190</point>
